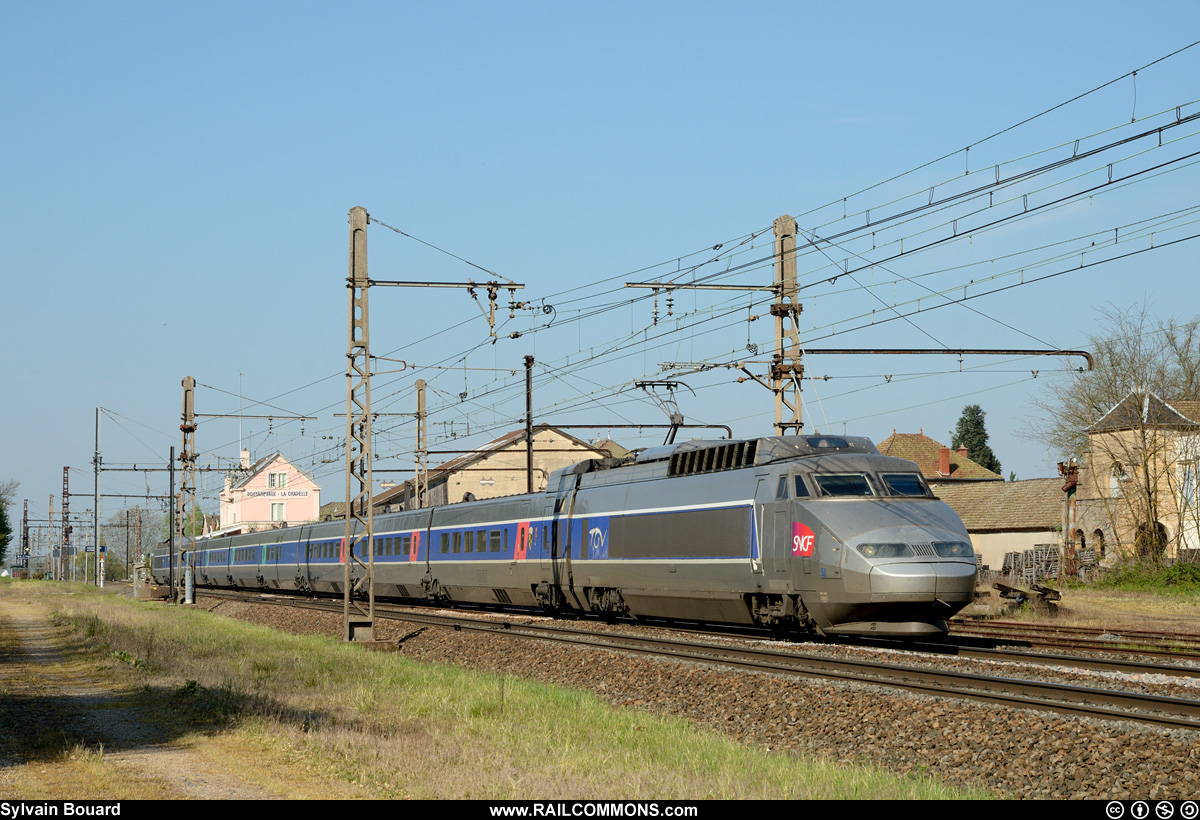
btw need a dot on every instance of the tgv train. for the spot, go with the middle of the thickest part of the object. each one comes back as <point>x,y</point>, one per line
<point>794,533</point>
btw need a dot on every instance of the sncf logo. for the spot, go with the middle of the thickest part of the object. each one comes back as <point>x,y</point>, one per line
<point>803,540</point>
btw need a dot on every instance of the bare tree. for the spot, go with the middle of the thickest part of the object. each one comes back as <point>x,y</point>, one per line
<point>1130,422</point>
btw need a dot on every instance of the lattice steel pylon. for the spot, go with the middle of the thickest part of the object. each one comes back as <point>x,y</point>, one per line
<point>64,559</point>
<point>359,624</point>
<point>421,482</point>
<point>187,473</point>
<point>786,367</point>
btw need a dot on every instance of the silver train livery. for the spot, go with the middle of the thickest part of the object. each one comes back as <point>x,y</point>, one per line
<point>794,533</point>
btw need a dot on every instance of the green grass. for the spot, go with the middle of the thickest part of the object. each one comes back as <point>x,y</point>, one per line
<point>1180,578</point>
<point>396,728</point>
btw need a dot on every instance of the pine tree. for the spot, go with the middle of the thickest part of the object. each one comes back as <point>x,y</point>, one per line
<point>8,495</point>
<point>972,434</point>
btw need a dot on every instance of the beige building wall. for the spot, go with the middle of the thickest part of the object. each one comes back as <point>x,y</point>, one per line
<point>498,470</point>
<point>503,473</point>
<point>991,546</point>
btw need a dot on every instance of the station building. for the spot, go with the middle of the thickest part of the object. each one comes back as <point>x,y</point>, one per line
<point>270,493</point>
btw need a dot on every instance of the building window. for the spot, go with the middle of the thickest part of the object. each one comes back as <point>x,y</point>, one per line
<point>277,512</point>
<point>1115,477</point>
<point>1189,486</point>
<point>276,481</point>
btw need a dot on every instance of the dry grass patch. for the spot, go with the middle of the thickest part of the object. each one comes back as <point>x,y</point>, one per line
<point>323,718</point>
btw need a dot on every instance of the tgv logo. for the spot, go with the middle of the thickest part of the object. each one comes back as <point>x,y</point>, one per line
<point>596,541</point>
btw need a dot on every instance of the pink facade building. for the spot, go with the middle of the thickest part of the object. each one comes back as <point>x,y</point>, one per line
<point>270,493</point>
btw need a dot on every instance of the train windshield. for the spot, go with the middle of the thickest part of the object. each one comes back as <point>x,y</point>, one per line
<point>906,484</point>
<point>851,484</point>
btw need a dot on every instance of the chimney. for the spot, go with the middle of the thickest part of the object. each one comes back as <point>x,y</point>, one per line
<point>944,461</point>
<point>245,459</point>
<point>962,451</point>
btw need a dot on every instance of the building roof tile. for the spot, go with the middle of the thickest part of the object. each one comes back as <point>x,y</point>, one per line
<point>921,449</point>
<point>1032,504</point>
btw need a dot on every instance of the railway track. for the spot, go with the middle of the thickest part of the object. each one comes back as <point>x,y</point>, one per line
<point>1087,639</point>
<point>1104,704</point>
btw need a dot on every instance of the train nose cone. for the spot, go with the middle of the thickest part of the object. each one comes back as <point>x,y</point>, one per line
<point>903,582</point>
<point>945,581</point>
<point>956,582</point>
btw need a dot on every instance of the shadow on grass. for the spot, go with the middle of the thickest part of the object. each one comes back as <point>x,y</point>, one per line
<point>37,728</point>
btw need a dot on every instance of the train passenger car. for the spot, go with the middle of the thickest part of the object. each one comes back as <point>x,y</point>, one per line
<point>795,533</point>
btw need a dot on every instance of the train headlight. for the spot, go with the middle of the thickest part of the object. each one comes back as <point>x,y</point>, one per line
<point>953,549</point>
<point>885,550</point>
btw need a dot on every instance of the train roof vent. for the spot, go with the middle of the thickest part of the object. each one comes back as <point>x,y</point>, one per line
<point>694,461</point>
<point>780,448</point>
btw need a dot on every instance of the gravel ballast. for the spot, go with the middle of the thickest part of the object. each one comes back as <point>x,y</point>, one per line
<point>1013,753</point>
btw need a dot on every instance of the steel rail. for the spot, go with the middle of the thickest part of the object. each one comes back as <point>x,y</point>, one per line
<point>1065,699</point>
<point>1156,709</point>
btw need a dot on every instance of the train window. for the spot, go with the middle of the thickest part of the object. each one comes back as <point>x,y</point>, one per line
<point>851,484</point>
<point>469,541</point>
<point>801,488</point>
<point>496,543</point>
<point>481,541</point>
<point>781,494</point>
<point>827,443</point>
<point>457,542</point>
<point>445,542</point>
<point>905,484</point>
<point>406,544</point>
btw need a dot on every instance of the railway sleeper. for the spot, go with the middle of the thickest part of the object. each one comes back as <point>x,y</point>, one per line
<point>1044,598</point>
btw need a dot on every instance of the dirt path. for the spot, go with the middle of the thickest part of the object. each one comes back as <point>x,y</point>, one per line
<point>57,705</point>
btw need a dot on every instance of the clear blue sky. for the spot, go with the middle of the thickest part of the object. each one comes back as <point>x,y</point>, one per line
<point>176,182</point>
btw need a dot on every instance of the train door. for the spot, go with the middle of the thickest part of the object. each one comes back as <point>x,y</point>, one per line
<point>556,563</point>
<point>763,526</point>
<point>778,551</point>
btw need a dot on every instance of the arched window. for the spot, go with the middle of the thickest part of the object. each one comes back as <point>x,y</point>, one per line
<point>1098,542</point>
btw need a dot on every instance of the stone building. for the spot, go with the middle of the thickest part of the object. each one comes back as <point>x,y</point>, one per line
<point>495,469</point>
<point>270,493</point>
<point>1009,516</point>
<point>1137,482</point>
